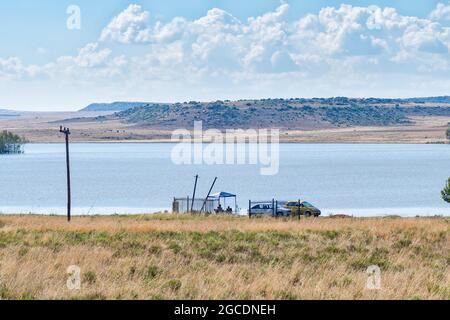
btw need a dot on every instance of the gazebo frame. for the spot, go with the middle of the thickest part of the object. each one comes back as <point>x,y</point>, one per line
<point>224,195</point>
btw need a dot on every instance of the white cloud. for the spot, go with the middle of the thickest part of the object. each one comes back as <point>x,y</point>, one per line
<point>127,26</point>
<point>88,56</point>
<point>13,68</point>
<point>442,11</point>
<point>218,19</point>
<point>337,51</point>
<point>220,40</point>
<point>431,37</point>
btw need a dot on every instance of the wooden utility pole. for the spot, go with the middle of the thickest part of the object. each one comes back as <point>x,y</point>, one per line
<point>193,196</point>
<point>66,131</point>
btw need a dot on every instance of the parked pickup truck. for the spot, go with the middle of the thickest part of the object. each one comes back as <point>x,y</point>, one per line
<point>304,209</point>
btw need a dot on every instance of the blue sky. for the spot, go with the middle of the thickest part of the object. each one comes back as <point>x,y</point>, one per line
<point>175,50</point>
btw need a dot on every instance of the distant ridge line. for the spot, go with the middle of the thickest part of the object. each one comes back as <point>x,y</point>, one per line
<point>114,106</point>
<point>125,105</point>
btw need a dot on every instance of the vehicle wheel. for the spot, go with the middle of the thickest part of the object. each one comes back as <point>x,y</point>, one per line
<point>307,214</point>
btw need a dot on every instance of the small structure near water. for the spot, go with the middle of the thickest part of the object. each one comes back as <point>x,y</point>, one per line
<point>188,205</point>
<point>215,203</point>
<point>222,198</point>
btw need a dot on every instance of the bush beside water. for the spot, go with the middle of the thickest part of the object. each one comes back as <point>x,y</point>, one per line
<point>10,143</point>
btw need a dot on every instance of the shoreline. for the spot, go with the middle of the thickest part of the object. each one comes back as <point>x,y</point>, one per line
<point>240,215</point>
<point>169,141</point>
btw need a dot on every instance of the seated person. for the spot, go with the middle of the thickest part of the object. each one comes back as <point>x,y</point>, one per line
<point>219,208</point>
<point>229,210</point>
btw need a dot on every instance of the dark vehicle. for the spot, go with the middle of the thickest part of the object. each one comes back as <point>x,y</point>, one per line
<point>304,209</point>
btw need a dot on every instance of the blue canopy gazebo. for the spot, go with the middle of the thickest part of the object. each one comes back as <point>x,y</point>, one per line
<point>223,196</point>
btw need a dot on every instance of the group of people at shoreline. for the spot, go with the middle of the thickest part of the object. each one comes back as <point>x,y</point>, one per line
<point>220,209</point>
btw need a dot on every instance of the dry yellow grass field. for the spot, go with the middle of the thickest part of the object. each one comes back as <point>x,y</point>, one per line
<point>195,257</point>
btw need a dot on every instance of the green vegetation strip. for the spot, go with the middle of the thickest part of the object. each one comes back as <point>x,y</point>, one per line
<point>235,247</point>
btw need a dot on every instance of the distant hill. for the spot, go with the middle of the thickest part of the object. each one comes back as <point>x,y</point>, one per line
<point>283,113</point>
<point>441,99</point>
<point>114,106</point>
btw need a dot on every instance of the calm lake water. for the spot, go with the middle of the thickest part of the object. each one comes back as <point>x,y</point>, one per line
<point>358,179</point>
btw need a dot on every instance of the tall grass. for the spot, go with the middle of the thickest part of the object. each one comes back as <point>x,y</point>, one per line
<point>194,257</point>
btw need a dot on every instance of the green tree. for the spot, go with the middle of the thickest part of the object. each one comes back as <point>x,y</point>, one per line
<point>446,192</point>
<point>10,142</point>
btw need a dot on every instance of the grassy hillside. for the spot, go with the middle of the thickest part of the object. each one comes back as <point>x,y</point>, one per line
<point>282,113</point>
<point>172,257</point>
